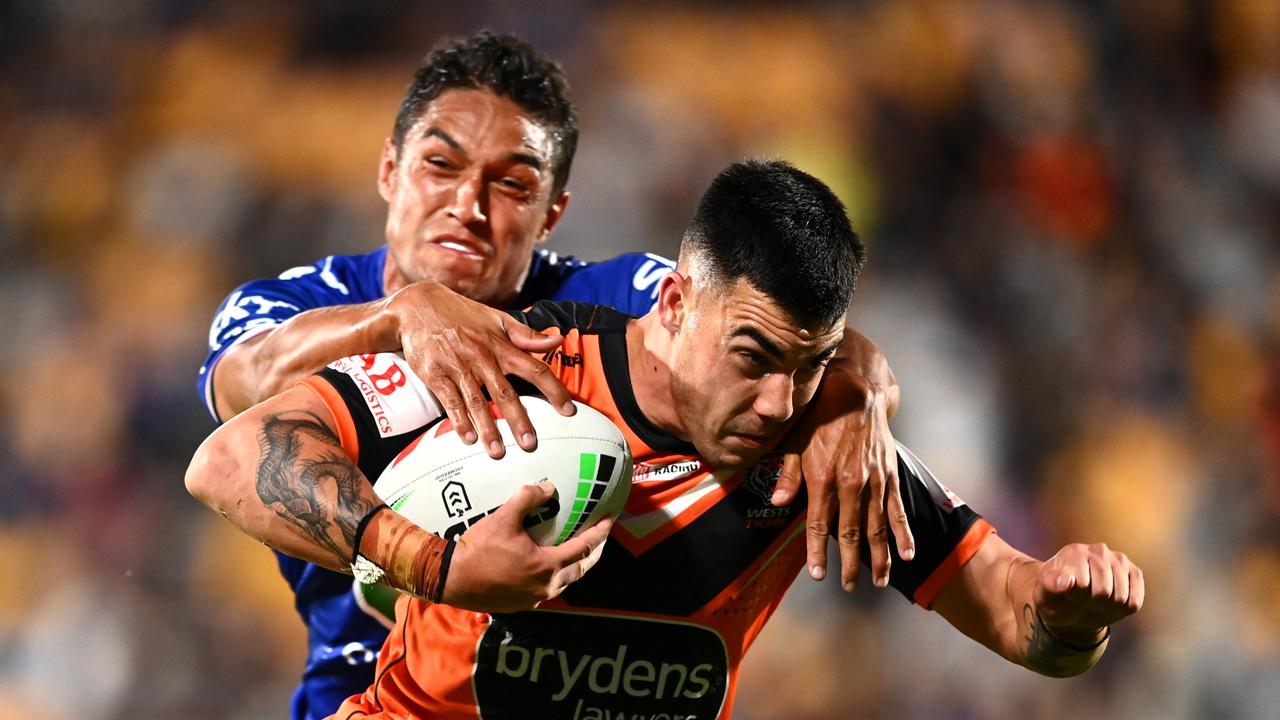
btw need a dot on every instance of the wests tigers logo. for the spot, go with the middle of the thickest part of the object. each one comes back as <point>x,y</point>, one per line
<point>759,483</point>
<point>762,478</point>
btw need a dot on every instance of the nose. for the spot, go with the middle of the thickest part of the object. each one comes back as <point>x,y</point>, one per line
<point>774,403</point>
<point>467,205</point>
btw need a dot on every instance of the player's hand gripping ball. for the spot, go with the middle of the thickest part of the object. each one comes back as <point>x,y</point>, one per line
<point>445,486</point>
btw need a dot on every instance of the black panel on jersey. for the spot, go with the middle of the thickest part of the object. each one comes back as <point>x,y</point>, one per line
<point>937,529</point>
<point>376,452</point>
<point>684,572</point>
<point>567,315</point>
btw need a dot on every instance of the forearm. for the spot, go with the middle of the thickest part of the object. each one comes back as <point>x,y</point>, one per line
<point>283,488</point>
<point>281,476</point>
<point>860,356</point>
<point>274,361</point>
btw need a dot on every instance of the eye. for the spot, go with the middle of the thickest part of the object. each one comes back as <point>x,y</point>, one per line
<point>817,365</point>
<point>754,359</point>
<point>513,184</point>
<point>439,162</point>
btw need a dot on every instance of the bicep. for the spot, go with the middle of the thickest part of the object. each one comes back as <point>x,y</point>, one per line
<point>232,383</point>
<point>224,471</point>
<point>978,601</point>
<point>245,435</point>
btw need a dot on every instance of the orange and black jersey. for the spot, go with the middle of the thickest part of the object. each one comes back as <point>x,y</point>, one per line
<point>695,565</point>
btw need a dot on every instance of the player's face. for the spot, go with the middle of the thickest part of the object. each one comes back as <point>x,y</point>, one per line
<point>743,371</point>
<point>469,196</point>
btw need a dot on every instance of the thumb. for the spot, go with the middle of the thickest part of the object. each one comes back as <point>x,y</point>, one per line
<point>530,497</point>
<point>528,339</point>
<point>788,484</point>
<point>1060,587</point>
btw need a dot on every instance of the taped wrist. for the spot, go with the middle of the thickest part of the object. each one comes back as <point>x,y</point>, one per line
<point>1073,647</point>
<point>413,559</point>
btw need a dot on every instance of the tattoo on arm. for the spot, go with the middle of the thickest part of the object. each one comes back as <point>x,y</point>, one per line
<point>1047,655</point>
<point>307,480</point>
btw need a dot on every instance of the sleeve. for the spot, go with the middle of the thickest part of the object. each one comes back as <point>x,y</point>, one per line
<point>253,308</point>
<point>378,405</point>
<point>628,283</point>
<point>946,530</point>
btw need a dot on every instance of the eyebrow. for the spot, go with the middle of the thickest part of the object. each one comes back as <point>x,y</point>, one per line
<point>524,158</point>
<point>765,343</point>
<point>772,349</point>
<point>531,160</point>
<point>434,131</point>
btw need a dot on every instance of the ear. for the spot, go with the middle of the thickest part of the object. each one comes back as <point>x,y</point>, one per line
<point>387,170</point>
<point>554,213</point>
<point>674,299</point>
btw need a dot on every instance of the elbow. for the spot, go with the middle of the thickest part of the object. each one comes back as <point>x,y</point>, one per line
<point>210,473</point>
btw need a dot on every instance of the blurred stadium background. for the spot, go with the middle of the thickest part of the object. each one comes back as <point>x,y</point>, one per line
<point>1073,210</point>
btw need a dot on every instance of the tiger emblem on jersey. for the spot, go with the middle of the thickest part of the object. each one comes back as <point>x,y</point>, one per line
<point>762,478</point>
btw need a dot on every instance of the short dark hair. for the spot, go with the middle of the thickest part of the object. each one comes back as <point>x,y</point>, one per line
<point>510,68</point>
<point>784,232</point>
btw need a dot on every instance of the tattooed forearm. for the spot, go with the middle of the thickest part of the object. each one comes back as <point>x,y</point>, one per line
<point>307,480</point>
<point>1050,656</point>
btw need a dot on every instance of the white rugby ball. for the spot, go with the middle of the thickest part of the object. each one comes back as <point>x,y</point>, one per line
<point>445,486</point>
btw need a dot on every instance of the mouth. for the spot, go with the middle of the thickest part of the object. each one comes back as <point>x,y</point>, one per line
<point>460,246</point>
<point>752,442</point>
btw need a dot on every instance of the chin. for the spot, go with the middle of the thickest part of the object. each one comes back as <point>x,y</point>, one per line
<point>724,458</point>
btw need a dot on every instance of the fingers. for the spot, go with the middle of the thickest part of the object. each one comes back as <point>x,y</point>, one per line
<point>519,363</point>
<point>1101,581</point>
<point>818,527</point>
<point>849,537</point>
<point>450,379</point>
<point>476,406</point>
<point>1137,588</point>
<point>450,399</point>
<point>1089,586</point>
<point>578,558</point>
<point>508,402</point>
<point>784,491</point>
<point>583,544</point>
<point>1119,572</point>
<point>877,528</point>
<point>1064,583</point>
<point>894,506</point>
<point>528,339</point>
<point>537,373</point>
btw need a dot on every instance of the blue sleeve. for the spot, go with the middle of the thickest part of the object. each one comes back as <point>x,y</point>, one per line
<point>628,282</point>
<point>260,305</point>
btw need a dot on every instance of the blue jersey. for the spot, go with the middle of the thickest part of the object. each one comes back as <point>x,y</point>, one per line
<point>344,633</point>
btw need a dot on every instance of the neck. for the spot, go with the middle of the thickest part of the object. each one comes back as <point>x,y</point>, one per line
<point>392,278</point>
<point>648,358</point>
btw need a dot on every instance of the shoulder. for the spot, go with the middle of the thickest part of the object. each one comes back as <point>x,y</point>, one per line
<point>344,278</point>
<point>628,282</point>
<point>641,270</point>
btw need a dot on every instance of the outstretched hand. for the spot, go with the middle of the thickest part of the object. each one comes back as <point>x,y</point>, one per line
<point>458,346</point>
<point>497,567</point>
<point>1085,588</point>
<point>844,451</point>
